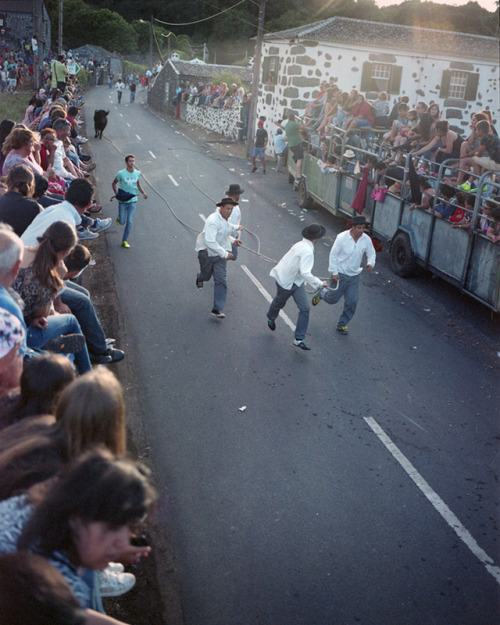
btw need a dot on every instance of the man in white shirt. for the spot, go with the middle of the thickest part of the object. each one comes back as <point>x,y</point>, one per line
<point>120,88</point>
<point>290,273</point>
<point>345,268</point>
<point>214,250</point>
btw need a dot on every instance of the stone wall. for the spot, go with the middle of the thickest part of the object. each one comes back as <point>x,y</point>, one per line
<point>225,122</point>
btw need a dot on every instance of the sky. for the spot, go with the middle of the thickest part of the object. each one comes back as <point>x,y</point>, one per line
<point>490,5</point>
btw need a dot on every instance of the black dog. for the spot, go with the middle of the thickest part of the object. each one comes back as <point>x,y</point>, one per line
<point>100,122</point>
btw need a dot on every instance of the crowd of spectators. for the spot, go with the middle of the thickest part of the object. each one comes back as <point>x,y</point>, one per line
<point>218,96</point>
<point>71,504</point>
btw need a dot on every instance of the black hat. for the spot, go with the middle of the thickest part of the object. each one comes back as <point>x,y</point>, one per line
<point>360,220</point>
<point>313,232</point>
<point>123,196</point>
<point>227,200</point>
<point>233,189</point>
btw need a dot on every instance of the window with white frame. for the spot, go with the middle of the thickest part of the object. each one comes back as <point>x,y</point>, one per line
<point>458,84</point>
<point>270,70</point>
<point>381,74</point>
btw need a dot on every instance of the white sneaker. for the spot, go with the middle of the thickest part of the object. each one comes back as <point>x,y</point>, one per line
<point>114,584</point>
<point>115,567</point>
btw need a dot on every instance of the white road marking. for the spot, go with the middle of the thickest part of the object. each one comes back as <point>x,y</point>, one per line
<point>152,154</point>
<point>121,114</point>
<point>128,124</point>
<point>203,218</point>
<point>138,137</point>
<point>435,500</point>
<point>173,180</point>
<point>268,297</point>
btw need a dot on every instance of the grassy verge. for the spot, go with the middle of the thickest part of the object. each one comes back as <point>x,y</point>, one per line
<point>13,106</point>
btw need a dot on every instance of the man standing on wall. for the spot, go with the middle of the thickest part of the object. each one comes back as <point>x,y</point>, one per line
<point>345,268</point>
<point>260,147</point>
<point>214,250</point>
<point>126,187</point>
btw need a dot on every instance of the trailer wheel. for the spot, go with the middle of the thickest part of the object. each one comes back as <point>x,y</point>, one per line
<point>304,199</point>
<point>291,178</point>
<point>403,261</point>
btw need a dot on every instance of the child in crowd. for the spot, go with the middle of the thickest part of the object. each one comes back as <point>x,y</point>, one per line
<point>462,217</point>
<point>445,208</point>
<point>428,195</point>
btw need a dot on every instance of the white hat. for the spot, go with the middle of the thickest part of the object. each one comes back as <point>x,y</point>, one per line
<point>349,154</point>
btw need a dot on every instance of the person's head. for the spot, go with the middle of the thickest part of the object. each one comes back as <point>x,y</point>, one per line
<point>477,117</point>
<point>77,260</point>
<point>34,592</point>
<point>11,254</point>
<point>11,361</point>
<point>57,112</point>
<point>291,117</point>
<point>130,161</point>
<point>41,186</point>
<point>487,114</point>
<point>72,111</point>
<point>420,107</point>
<point>226,207</point>
<point>382,96</point>
<point>371,161</point>
<point>460,198</point>
<point>62,128</point>
<point>402,109</point>
<point>53,246</point>
<point>423,183</point>
<point>446,191</point>
<point>381,167</point>
<point>21,140</point>
<point>495,214</point>
<point>90,511</point>
<point>48,137</point>
<point>433,110</point>
<point>314,232</point>
<point>91,411</point>
<point>6,125</point>
<point>404,99</point>
<point>80,193</point>
<point>358,226</point>
<point>42,381</point>
<point>359,99</point>
<point>442,128</point>
<point>469,201</point>
<point>483,128</point>
<point>21,180</point>
<point>412,115</point>
<point>234,191</point>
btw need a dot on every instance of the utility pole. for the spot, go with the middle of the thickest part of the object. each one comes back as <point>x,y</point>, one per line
<point>252,112</point>
<point>60,40</point>
<point>37,32</point>
<point>151,44</point>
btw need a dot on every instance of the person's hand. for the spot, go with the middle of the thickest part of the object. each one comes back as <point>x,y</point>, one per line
<point>145,196</point>
<point>133,555</point>
<point>39,322</point>
<point>36,147</point>
<point>237,242</point>
<point>369,267</point>
<point>62,308</point>
<point>325,283</point>
<point>335,277</point>
<point>230,256</point>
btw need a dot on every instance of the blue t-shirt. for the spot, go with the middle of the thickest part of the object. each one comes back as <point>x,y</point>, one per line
<point>127,181</point>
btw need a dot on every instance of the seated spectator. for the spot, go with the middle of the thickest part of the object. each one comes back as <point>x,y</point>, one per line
<point>42,380</point>
<point>6,125</point>
<point>11,360</point>
<point>462,217</point>
<point>493,231</point>
<point>342,115</point>
<point>447,143</point>
<point>21,148</point>
<point>313,109</point>
<point>17,208</point>
<point>428,194</point>
<point>381,108</point>
<point>444,209</point>
<point>393,115</point>
<point>488,206</point>
<point>489,143</point>
<point>83,520</point>
<point>38,284</point>
<point>469,147</point>
<point>33,592</point>
<point>328,113</point>
<point>29,114</point>
<point>434,111</point>
<point>361,115</point>
<point>388,176</point>
<point>398,124</point>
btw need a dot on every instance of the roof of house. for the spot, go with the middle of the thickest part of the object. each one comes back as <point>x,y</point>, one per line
<point>16,6</point>
<point>89,50</point>
<point>394,37</point>
<point>207,70</point>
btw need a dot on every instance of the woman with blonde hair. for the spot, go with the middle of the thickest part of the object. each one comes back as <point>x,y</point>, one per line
<point>21,147</point>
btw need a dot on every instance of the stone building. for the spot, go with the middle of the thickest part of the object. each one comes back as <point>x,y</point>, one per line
<point>457,70</point>
<point>21,19</point>
<point>111,60</point>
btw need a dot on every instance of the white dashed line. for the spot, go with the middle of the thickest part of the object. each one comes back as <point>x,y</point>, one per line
<point>435,500</point>
<point>268,297</point>
<point>152,154</point>
<point>128,124</point>
<point>138,137</point>
<point>120,114</point>
<point>202,217</point>
<point>173,180</point>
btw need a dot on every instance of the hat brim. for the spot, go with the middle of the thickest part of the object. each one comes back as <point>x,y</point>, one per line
<point>313,236</point>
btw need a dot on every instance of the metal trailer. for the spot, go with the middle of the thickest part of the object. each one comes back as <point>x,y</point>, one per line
<point>465,258</point>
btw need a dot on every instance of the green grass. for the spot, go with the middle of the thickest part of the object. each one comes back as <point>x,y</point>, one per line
<point>14,106</point>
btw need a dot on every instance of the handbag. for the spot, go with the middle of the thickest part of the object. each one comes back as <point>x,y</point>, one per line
<point>379,194</point>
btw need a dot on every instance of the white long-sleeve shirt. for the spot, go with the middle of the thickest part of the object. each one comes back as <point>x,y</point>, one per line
<point>346,254</point>
<point>216,236</point>
<point>296,265</point>
<point>235,219</point>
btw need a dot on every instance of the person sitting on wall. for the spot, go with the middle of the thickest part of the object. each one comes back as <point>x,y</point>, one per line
<point>361,115</point>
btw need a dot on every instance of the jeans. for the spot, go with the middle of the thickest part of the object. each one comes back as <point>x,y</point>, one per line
<point>349,289</point>
<point>300,296</point>
<point>119,96</point>
<point>59,325</point>
<point>126,212</point>
<point>132,96</point>
<point>78,300</point>
<point>216,266</point>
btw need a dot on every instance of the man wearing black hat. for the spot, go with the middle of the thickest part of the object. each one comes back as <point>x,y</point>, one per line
<point>290,273</point>
<point>234,193</point>
<point>214,249</point>
<point>345,268</point>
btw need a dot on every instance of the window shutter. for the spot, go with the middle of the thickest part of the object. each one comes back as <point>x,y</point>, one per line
<point>265,70</point>
<point>395,81</point>
<point>445,84</point>
<point>366,76</point>
<point>471,89</point>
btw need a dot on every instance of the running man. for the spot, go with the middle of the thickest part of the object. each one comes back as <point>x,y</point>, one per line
<point>127,181</point>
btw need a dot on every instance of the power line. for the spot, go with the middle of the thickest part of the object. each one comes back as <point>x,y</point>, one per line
<point>204,19</point>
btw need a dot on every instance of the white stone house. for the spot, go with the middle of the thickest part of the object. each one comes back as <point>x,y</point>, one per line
<point>457,70</point>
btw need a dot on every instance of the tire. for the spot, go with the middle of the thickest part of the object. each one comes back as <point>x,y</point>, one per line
<point>291,179</point>
<point>403,261</point>
<point>304,199</point>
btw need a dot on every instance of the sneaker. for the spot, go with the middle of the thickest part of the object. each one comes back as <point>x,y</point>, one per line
<point>342,329</point>
<point>271,324</point>
<point>109,356</point>
<point>114,584</point>
<point>85,158</point>
<point>100,225</point>
<point>81,140</point>
<point>66,344</point>
<point>125,245</point>
<point>316,299</point>
<point>118,222</point>
<point>218,313</point>
<point>301,344</point>
<point>94,208</point>
<point>254,170</point>
<point>199,283</point>
<point>85,234</point>
<point>115,567</point>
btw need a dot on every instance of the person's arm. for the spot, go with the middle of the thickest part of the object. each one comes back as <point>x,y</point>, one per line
<point>371,256</point>
<point>98,618</point>
<point>448,147</point>
<point>305,268</point>
<point>115,188</point>
<point>333,262</point>
<point>427,147</point>
<point>144,195</point>
<point>211,240</point>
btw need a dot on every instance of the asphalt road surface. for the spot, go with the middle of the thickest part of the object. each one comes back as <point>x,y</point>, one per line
<point>355,483</point>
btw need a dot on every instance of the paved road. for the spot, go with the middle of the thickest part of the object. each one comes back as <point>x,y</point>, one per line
<point>360,483</point>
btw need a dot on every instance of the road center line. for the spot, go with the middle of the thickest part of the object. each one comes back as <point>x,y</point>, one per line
<point>268,297</point>
<point>435,500</point>
<point>138,137</point>
<point>121,114</point>
<point>173,180</point>
<point>152,154</point>
<point>203,218</point>
<point>128,124</point>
